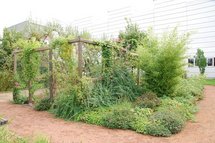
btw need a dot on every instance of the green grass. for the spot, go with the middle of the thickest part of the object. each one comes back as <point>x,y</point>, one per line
<point>210,82</point>
<point>7,136</point>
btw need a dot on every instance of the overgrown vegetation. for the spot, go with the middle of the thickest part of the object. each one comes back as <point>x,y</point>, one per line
<point>7,136</point>
<point>136,83</point>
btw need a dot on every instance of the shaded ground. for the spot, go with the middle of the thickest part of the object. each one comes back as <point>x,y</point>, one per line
<point>26,122</point>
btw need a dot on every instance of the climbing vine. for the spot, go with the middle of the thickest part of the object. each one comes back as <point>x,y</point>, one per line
<point>30,64</point>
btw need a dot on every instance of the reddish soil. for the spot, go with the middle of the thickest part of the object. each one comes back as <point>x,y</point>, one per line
<point>26,122</point>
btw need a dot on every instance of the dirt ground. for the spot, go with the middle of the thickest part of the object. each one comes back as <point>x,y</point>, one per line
<point>26,122</point>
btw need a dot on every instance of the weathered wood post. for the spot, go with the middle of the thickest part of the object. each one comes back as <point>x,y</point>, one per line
<point>51,79</point>
<point>80,57</point>
<point>14,62</point>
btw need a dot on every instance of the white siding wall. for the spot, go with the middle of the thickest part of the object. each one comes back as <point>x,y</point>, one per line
<point>193,16</point>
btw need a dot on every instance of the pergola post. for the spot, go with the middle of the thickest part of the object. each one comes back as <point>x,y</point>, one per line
<point>51,83</point>
<point>80,57</point>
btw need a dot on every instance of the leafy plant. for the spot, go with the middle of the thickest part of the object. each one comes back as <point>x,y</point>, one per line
<point>162,60</point>
<point>170,120</point>
<point>201,61</point>
<point>132,36</point>
<point>157,129</point>
<point>141,119</point>
<point>66,105</point>
<point>147,100</point>
<point>30,64</point>
<point>43,104</point>
<point>120,119</point>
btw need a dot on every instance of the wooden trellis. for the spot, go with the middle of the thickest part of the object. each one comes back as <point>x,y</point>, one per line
<point>80,41</point>
<point>51,83</point>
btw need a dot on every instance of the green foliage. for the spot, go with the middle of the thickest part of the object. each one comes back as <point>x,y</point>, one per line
<point>162,60</point>
<point>184,107</point>
<point>43,104</point>
<point>201,61</point>
<point>6,80</point>
<point>41,139</point>
<point>147,100</point>
<point>170,120</point>
<point>66,105</point>
<point>7,137</point>
<point>8,44</point>
<point>190,87</point>
<point>18,98</point>
<point>101,96</point>
<point>107,53</point>
<point>99,116</point>
<point>132,36</point>
<point>30,64</point>
<point>209,82</point>
<point>157,129</point>
<point>93,117</point>
<point>119,118</point>
<point>141,119</point>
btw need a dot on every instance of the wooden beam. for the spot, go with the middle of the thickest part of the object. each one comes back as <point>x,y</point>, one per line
<point>79,39</point>
<point>36,50</point>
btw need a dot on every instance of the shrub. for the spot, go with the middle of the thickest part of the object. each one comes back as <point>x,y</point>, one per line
<point>162,61</point>
<point>43,104</point>
<point>93,117</point>
<point>157,129</point>
<point>66,105</point>
<point>6,80</point>
<point>141,119</point>
<point>119,118</point>
<point>148,100</point>
<point>170,120</point>
<point>185,110</point>
<point>190,87</point>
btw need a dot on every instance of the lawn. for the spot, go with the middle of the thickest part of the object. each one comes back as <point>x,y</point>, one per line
<point>210,82</point>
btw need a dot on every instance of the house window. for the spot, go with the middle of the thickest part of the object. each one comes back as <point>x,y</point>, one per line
<point>210,62</point>
<point>214,61</point>
<point>191,62</point>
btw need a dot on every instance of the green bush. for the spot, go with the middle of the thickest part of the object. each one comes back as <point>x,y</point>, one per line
<point>20,99</point>
<point>157,129</point>
<point>147,100</point>
<point>119,118</point>
<point>66,105</point>
<point>170,120</point>
<point>99,115</point>
<point>43,104</point>
<point>183,107</point>
<point>6,80</point>
<point>93,117</point>
<point>190,87</point>
<point>141,119</point>
<point>162,60</point>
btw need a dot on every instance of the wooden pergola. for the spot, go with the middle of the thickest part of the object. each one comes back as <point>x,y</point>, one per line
<point>79,41</point>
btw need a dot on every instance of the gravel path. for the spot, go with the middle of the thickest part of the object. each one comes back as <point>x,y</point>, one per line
<point>26,122</point>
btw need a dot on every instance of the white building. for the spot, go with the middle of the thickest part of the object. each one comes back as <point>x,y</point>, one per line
<point>193,16</point>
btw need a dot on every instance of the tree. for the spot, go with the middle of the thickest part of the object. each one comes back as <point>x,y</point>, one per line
<point>201,61</point>
<point>132,36</point>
